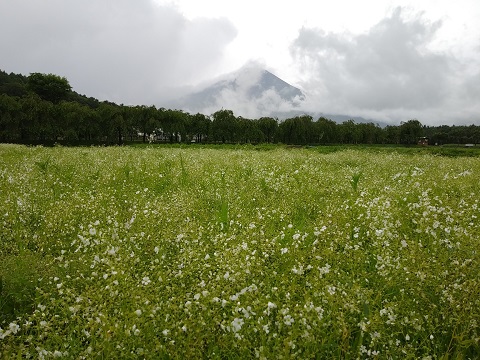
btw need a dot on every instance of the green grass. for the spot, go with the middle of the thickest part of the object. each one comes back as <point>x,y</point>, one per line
<point>229,253</point>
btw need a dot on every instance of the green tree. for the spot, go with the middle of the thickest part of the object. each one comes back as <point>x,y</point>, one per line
<point>224,126</point>
<point>392,134</point>
<point>9,117</point>
<point>370,133</point>
<point>37,119</point>
<point>268,126</point>
<point>76,121</point>
<point>327,131</point>
<point>49,87</point>
<point>13,84</point>
<point>410,131</point>
<point>144,119</point>
<point>174,122</point>
<point>198,127</point>
<point>299,130</point>
<point>113,122</point>
<point>350,132</point>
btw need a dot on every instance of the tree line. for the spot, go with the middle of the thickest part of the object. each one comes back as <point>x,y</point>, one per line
<point>42,108</point>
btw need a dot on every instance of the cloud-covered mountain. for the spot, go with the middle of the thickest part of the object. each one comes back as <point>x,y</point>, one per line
<point>251,92</point>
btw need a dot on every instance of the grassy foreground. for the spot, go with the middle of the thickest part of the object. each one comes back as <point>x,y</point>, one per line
<point>221,253</point>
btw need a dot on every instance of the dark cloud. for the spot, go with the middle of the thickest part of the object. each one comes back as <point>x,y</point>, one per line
<point>390,72</point>
<point>120,50</point>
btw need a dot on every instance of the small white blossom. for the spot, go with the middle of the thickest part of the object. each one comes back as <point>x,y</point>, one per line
<point>237,324</point>
<point>288,320</point>
<point>13,327</point>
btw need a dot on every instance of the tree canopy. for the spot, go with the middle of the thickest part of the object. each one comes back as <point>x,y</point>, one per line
<point>49,87</point>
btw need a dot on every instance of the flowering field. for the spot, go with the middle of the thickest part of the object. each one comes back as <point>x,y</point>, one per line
<point>220,253</point>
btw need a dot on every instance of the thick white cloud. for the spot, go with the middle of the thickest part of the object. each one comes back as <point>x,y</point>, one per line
<point>119,50</point>
<point>390,72</point>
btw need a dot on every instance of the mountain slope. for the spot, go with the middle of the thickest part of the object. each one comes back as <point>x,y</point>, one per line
<point>250,92</point>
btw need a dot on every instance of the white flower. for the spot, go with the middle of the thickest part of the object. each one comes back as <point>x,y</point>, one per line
<point>146,280</point>
<point>92,231</point>
<point>138,312</point>
<point>331,289</point>
<point>271,305</point>
<point>237,324</point>
<point>135,330</point>
<point>324,270</point>
<point>283,250</point>
<point>288,320</point>
<point>156,249</point>
<point>13,327</point>
<point>165,332</point>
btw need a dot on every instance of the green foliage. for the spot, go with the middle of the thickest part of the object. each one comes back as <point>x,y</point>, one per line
<point>410,131</point>
<point>49,87</point>
<point>355,179</point>
<point>18,278</point>
<point>224,126</point>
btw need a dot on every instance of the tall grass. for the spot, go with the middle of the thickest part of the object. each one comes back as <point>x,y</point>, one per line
<point>186,252</point>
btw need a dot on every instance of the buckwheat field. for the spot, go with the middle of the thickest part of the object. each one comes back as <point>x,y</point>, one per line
<point>184,253</point>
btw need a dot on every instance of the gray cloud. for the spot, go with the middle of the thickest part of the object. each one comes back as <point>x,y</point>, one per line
<point>390,72</point>
<point>120,50</point>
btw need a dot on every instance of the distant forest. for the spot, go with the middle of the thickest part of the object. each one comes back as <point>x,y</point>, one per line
<point>43,109</point>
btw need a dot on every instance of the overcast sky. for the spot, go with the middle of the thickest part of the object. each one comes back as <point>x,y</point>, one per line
<point>388,60</point>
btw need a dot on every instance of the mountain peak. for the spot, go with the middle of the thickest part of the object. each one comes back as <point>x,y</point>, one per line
<point>250,92</point>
